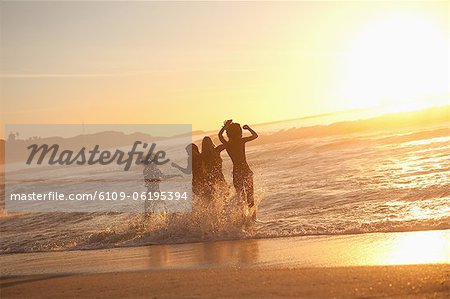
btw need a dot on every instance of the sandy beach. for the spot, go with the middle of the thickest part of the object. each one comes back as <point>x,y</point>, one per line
<point>425,281</point>
<point>366,265</point>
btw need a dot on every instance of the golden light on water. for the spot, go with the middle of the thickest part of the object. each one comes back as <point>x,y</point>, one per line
<point>415,248</point>
<point>378,249</point>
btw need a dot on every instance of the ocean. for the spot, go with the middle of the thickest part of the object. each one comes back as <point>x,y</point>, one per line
<point>306,183</point>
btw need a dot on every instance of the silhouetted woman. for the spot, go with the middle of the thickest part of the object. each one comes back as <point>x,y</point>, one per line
<point>152,178</point>
<point>213,165</point>
<point>195,166</point>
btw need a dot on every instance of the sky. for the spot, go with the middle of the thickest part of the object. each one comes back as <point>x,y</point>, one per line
<point>200,63</point>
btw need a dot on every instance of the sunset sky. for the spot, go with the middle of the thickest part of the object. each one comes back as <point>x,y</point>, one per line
<point>203,62</point>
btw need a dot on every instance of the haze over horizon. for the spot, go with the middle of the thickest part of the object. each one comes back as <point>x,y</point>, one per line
<point>315,124</point>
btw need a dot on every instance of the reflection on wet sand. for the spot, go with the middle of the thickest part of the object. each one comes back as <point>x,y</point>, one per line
<point>421,247</point>
<point>231,253</point>
<point>348,250</point>
<point>210,254</point>
<point>417,248</point>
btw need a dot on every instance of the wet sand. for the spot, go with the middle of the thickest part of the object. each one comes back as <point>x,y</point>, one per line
<point>391,264</point>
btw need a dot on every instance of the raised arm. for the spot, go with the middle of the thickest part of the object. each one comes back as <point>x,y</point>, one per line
<point>187,170</point>
<point>221,138</point>
<point>220,147</point>
<point>252,137</point>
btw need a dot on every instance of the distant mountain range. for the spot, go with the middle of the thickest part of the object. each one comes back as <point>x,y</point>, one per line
<point>387,122</point>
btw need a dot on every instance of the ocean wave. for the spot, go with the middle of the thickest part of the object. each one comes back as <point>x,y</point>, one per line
<point>386,182</point>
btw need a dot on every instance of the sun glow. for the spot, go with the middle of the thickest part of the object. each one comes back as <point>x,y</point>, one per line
<point>419,248</point>
<point>397,63</point>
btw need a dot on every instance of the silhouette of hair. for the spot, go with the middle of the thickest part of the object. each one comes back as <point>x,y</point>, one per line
<point>234,131</point>
<point>194,148</point>
<point>207,144</point>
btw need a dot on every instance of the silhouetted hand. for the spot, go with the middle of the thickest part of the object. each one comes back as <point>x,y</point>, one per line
<point>245,127</point>
<point>227,122</point>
